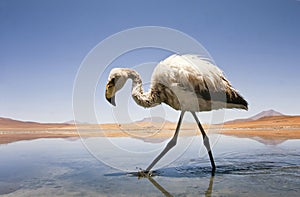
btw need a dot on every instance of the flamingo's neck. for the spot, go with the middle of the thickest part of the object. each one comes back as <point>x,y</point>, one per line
<point>145,99</point>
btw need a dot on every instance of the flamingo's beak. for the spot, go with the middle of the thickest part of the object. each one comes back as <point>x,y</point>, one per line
<point>111,100</point>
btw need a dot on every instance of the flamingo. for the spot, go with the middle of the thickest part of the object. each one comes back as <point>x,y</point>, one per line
<point>189,83</point>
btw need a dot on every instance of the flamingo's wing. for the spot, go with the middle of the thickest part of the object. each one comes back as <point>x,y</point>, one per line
<point>191,74</point>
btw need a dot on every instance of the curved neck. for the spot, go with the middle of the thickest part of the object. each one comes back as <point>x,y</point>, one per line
<point>145,99</point>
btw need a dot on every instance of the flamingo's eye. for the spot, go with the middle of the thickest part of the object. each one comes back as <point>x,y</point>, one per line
<point>111,83</point>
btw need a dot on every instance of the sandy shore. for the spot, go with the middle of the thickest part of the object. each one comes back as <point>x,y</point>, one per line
<point>281,134</point>
<point>277,128</point>
<point>271,128</point>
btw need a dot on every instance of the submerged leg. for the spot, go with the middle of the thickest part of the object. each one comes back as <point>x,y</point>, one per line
<point>170,145</point>
<point>158,186</point>
<point>208,192</point>
<point>206,142</point>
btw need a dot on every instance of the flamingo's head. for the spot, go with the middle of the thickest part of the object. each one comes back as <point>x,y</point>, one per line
<point>116,80</point>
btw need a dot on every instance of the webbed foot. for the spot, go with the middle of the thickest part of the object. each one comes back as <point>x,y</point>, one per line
<point>144,174</point>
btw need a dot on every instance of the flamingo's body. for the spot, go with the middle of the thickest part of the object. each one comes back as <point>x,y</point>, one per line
<point>184,82</point>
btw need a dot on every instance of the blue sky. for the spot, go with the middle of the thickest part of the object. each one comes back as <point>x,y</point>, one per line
<point>256,43</point>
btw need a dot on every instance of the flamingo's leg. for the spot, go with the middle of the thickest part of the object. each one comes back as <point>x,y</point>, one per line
<point>170,145</point>
<point>208,192</point>
<point>206,142</point>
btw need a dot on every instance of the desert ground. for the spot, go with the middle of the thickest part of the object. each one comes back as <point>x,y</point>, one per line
<point>268,128</point>
<point>274,127</point>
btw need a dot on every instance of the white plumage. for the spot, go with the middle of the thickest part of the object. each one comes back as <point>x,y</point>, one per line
<point>184,82</point>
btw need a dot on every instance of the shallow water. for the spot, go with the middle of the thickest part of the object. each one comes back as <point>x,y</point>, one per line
<point>64,167</point>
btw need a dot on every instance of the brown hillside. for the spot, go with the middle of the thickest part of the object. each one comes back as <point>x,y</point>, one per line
<point>7,123</point>
<point>279,122</point>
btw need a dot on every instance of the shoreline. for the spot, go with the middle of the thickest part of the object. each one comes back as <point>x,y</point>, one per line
<point>277,128</point>
<point>10,136</point>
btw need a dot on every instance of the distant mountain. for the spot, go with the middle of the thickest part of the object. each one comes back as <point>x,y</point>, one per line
<point>263,114</point>
<point>73,122</point>
<point>11,123</point>
<point>152,119</point>
<point>267,113</point>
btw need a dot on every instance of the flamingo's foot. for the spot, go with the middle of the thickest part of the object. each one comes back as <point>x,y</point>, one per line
<point>144,174</point>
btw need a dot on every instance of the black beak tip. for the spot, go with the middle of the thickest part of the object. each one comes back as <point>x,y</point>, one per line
<point>111,100</point>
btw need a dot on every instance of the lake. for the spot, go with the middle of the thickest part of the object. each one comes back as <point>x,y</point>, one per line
<point>66,167</point>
